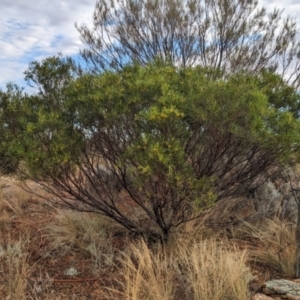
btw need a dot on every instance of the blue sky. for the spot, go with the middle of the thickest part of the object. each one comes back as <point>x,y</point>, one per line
<point>32,30</point>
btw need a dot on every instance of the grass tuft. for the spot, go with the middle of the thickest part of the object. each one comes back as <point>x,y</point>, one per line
<point>209,270</point>
<point>14,257</point>
<point>273,244</point>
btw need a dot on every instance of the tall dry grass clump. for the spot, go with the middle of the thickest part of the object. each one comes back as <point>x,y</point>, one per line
<point>14,258</point>
<point>273,244</point>
<point>148,274</point>
<point>210,270</point>
<point>13,199</point>
<point>83,233</point>
<point>214,270</point>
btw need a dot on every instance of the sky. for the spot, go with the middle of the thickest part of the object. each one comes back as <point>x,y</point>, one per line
<point>34,29</point>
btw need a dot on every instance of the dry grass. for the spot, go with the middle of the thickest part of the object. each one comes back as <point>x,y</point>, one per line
<point>215,270</point>
<point>209,270</point>
<point>13,199</point>
<point>272,244</point>
<point>85,233</point>
<point>38,245</point>
<point>147,274</point>
<point>15,249</point>
<point>71,229</point>
<point>14,258</point>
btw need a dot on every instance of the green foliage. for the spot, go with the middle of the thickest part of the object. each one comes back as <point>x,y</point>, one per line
<point>10,112</point>
<point>37,130</point>
<point>174,140</point>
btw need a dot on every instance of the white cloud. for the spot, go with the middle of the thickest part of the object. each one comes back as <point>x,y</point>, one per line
<point>31,30</point>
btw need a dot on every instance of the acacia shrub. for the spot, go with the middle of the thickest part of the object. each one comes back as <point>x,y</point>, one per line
<point>174,140</point>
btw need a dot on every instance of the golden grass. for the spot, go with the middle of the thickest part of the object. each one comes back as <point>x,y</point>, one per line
<point>13,199</point>
<point>87,233</point>
<point>148,275</point>
<point>216,270</point>
<point>15,259</point>
<point>196,263</point>
<point>273,244</point>
<point>209,270</point>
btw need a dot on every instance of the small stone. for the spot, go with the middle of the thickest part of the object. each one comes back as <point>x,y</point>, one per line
<point>71,272</point>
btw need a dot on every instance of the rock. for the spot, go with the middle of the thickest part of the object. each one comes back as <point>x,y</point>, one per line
<point>71,272</point>
<point>261,297</point>
<point>286,289</point>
